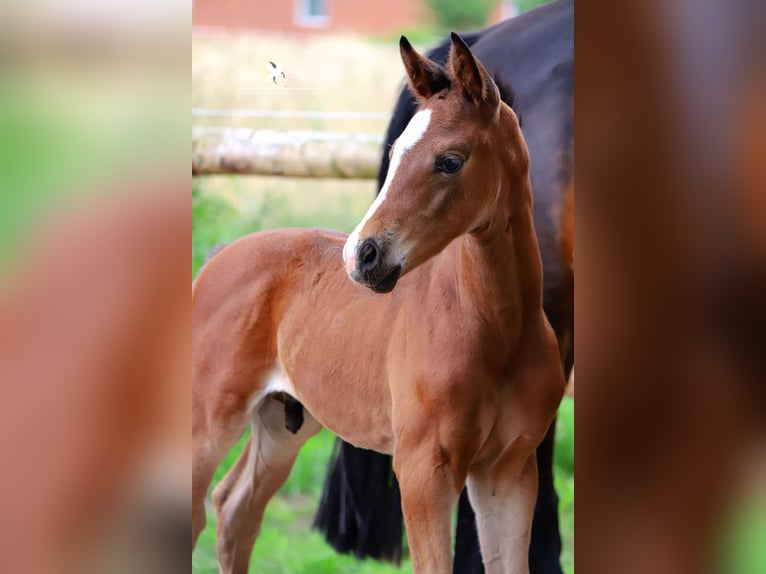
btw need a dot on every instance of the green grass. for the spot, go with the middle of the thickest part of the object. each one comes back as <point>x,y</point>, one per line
<point>563,467</point>
<point>224,209</point>
<point>744,532</point>
<point>287,544</point>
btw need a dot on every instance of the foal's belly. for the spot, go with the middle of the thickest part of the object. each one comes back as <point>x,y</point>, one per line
<point>358,417</point>
<point>352,401</point>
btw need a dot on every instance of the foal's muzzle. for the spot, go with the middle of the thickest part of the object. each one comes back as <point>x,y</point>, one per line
<point>371,268</point>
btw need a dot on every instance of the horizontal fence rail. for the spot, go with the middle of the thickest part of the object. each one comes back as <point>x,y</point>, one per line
<point>287,114</point>
<point>288,153</point>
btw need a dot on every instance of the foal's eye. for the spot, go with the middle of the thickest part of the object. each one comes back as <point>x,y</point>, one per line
<point>449,164</point>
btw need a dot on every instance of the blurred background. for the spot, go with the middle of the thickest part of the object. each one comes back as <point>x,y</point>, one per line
<point>342,75</point>
<point>94,193</point>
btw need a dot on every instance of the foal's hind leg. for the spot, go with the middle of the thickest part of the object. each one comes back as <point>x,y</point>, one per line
<point>209,446</point>
<point>240,499</point>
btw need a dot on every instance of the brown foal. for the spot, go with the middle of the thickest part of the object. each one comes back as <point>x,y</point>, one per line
<point>446,361</point>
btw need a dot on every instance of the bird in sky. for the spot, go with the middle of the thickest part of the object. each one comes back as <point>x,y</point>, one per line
<point>275,71</point>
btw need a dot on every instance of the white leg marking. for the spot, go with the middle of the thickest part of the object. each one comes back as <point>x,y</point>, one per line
<point>410,136</point>
<point>504,520</point>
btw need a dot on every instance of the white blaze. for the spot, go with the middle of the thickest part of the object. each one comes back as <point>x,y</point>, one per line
<point>410,136</point>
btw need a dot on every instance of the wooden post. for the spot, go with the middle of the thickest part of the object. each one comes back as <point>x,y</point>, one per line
<point>287,153</point>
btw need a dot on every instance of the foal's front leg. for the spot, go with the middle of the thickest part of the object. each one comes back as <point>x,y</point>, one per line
<point>430,489</point>
<point>504,506</point>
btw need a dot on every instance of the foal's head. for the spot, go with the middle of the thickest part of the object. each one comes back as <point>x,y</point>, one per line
<point>447,169</point>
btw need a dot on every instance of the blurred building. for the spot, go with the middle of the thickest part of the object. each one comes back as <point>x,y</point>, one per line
<point>374,17</point>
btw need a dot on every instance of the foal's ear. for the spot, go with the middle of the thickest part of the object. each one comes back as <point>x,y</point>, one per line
<point>469,76</point>
<point>426,77</point>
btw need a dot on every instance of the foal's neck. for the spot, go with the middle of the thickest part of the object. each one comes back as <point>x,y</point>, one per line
<point>500,260</point>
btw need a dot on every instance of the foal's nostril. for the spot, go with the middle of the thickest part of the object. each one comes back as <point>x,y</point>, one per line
<point>369,255</point>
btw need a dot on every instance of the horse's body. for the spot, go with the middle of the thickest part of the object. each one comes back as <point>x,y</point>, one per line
<point>536,52</point>
<point>451,365</point>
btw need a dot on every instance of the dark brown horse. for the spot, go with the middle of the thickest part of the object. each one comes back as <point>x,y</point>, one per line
<point>535,52</point>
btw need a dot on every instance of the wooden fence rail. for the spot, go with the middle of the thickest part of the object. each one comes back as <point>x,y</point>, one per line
<point>288,153</point>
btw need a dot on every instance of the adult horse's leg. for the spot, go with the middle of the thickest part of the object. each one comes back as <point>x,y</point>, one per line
<point>241,497</point>
<point>545,546</point>
<point>467,550</point>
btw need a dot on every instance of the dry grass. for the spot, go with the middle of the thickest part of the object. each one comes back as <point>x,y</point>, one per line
<point>329,73</point>
<point>324,73</point>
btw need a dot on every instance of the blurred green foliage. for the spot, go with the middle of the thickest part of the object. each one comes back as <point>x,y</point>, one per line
<point>461,15</point>
<point>524,5</point>
<point>466,15</point>
<point>745,535</point>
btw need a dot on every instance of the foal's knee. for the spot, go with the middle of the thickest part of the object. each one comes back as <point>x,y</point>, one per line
<point>219,496</point>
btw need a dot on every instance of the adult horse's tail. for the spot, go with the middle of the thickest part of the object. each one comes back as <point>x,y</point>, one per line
<point>360,511</point>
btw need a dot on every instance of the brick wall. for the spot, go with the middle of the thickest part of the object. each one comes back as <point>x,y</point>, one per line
<point>369,17</point>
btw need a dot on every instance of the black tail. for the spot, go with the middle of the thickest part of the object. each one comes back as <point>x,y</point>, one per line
<point>360,511</point>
